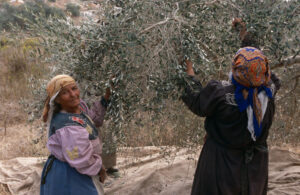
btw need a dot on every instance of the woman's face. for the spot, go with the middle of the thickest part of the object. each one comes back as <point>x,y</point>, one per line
<point>68,98</point>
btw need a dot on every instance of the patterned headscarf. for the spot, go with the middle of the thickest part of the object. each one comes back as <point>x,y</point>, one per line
<point>251,75</point>
<point>53,89</point>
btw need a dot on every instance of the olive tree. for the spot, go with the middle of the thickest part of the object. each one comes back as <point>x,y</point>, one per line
<point>139,47</point>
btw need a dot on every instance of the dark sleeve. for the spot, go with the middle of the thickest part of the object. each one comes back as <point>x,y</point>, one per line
<point>203,101</point>
<point>276,82</point>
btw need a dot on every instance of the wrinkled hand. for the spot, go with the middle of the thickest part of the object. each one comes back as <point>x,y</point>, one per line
<point>236,22</point>
<point>107,93</point>
<point>102,174</point>
<point>189,68</point>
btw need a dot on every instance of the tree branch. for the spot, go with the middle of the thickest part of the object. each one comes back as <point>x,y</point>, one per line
<point>210,54</point>
<point>296,78</point>
<point>296,83</point>
<point>288,62</point>
<point>174,17</point>
<point>154,25</point>
<point>205,3</point>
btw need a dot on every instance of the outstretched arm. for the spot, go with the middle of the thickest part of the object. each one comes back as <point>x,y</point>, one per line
<point>201,100</point>
<point>98,110</point>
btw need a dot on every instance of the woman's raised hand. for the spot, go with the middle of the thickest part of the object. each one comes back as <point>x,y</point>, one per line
<point>108,89</point>
<point>189,67</point>
<point>107,93</point>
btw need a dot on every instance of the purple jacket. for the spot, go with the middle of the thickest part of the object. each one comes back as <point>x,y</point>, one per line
<point>74,138</point>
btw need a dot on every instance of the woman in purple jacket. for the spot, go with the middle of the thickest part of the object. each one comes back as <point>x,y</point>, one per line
<point>75,165</point>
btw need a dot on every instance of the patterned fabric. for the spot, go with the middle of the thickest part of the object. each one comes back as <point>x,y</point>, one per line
<point>251,75</point>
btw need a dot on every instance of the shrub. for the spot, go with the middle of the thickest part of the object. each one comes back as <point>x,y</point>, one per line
<point>26,13</point>
<point>30,44</point>
<point>16,62</point>
<point>3,1</point>
<point>4,42</point>
<point>73,9</point>
<point>14,78</point>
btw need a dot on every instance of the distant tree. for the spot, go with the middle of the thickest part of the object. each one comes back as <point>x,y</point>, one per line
<point>26,14</point>
<point>73,9</point>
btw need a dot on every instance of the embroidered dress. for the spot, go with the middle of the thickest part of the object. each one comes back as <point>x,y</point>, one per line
<point>75,151</point>
<point>231,162</point>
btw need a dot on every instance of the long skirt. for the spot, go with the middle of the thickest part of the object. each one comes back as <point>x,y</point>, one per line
<point>223,171</point>
<point>60,178</point>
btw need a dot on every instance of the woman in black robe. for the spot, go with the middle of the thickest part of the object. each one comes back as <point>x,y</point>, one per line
<point>239,114</point>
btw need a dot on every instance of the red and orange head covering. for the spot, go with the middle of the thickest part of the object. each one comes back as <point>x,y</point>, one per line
<point>251,75</point>
<point>53,88</point>
<point>250,67</point>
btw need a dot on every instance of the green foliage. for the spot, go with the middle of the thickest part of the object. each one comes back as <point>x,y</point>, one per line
<point>23,15</point>
<point>30,44</point>
<point>141,46</point>
<point>73,9</point>
<point>275,24</point>
<point>3,1</point>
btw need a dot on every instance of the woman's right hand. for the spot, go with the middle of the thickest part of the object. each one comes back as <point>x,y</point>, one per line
<point>102,174</point>
<point>189,68</point>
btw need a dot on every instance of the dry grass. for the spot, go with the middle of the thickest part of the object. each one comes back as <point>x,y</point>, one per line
<point>16,68</point>
<point>23,140</point>
<point>4,190</point>
<point>17,138</point>
<point>18,63</point>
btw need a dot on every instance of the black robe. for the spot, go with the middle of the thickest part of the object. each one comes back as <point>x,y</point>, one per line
<point>230,162</point>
